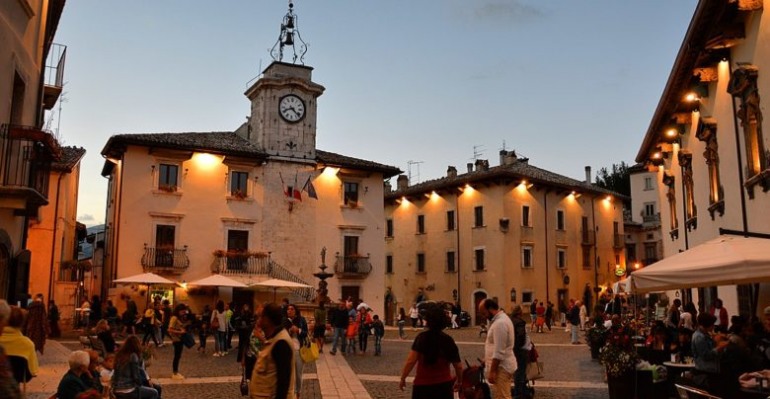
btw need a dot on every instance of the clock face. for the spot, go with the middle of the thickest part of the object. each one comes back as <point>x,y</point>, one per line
<point>291,108</point>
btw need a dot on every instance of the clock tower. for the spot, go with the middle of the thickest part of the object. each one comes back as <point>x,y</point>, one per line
<point>283,100</point>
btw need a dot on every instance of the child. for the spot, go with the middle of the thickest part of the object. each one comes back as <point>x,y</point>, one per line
<point>379,332</point>
<point>351,335</point>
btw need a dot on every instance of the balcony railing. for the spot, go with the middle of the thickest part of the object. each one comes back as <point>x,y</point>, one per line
<point>26,154</point>
<point>618,241</point>
<point>244,263</point>
<point>651,218</point>
<point>54,75</point>
<point>165,260</point>
<point>352,266</point>
<point>587,237</point>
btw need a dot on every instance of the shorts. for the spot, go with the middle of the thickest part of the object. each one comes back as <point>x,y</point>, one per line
<point>319,331</point>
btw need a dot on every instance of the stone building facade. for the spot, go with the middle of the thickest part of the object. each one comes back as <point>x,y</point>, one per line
<point>514,232</point>
<point>708,144</point>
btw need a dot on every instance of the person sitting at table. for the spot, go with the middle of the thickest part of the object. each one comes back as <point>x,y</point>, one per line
<point>707,352</point>
<point>684,347</point>
<point>658,347</point>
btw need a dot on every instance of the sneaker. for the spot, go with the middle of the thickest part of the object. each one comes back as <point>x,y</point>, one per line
<point>217,354</point>
<point>177,376</point>
<point>333,353</point>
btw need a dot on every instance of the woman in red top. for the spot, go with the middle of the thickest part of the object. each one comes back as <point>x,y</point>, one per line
<point>433,351</point>
<point>540,310</point>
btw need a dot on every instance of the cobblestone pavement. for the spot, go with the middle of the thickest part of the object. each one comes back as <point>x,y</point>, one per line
<point>569,371</point>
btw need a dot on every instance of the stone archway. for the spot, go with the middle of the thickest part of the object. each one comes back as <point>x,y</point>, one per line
<point>478,296</point>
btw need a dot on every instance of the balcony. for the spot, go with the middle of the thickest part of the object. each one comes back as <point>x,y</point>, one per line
<point>618,241</point>
<point>165,260</point>
<point>242,263</point>
<point>651,218</point>
<point>587,237</point>
<point>352,266</point>
<point>26,154</point>
<point>54,75</point>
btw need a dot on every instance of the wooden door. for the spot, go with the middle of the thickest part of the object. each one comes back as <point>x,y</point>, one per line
<point>477,298</point>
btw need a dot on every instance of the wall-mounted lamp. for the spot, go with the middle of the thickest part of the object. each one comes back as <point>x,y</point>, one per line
<point>152,169</point>
<point>526,184</point>
<point>672,133</point>
<point>576,194</point>
<point>513,294</point>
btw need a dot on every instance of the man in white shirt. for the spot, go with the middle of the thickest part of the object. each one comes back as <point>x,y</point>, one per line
<point>498,349</point>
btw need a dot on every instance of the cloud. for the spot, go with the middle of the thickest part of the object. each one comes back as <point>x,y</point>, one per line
<point>86,218</point>
<point>506,11</point>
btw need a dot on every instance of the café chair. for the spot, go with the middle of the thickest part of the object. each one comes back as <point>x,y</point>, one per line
<point>687,392</point>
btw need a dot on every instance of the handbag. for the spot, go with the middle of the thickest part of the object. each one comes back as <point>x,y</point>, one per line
<point>535,371</point>
<point>309,352</point>
<point>215,322</point>
<point>244,383</point>
<point>188,340</point>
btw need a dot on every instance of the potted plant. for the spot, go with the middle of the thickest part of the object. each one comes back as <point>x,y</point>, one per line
<point>619,359</point>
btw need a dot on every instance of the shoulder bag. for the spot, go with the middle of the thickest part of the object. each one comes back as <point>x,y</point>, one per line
<point>309,351</point>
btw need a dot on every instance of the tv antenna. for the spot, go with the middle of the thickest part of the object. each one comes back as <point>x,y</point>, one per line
<point>478,150</point>
<point>409,171</point>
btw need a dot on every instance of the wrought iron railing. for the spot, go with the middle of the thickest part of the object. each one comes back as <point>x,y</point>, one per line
<point>165,260</point>
<point>228,263</point>
<point>651,218</point>
<point>26,154</point>
<point>306,294</point>
<point>54,65</point>
<point>353,265</point>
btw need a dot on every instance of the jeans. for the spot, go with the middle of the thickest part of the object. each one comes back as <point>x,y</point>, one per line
<point>351,345</point>
<point>377,345</point>
<point>401,329</point>
<point>363,340</point>
<point>574,330</point>
<point>221,341</point>
<point>299,364</point>
<point>339,336</point>
<point>149,332</point>
<point>520,375</point>
<point>144,393</point>
<point>177,355</point>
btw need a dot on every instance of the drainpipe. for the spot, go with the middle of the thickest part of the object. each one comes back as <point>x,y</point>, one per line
<point>547,279</point>
<point>684,208</point>
<point>53,238</point>
<point>457,226</point>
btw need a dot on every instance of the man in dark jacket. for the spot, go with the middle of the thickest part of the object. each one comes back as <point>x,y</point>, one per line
<point>339,320</point>
<point>520,351</point>
<point>574,321</point>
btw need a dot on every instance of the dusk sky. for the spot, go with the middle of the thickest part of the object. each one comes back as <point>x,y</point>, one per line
<point>566,83</point>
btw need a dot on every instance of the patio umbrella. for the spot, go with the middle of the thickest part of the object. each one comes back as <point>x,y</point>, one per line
<point>218,280</point>
<point>276,283</point>
<point>144,278</point>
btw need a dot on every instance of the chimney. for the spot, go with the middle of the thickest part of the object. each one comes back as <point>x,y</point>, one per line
<point>588,174</point>
<point>482,165</point>
<point>451,172</point>
<point>470,167</point>
<point>402,183</point>
<point>503,156</point>
<point>388,187</point>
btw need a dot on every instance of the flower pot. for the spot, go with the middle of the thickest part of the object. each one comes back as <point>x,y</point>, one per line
<point>621,387</point>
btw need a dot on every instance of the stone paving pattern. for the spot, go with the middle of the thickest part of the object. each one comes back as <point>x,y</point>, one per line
<point>569,371</point>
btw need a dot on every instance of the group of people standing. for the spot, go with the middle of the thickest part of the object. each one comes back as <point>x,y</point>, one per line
<point>434,353</point>
<point>352,328</point>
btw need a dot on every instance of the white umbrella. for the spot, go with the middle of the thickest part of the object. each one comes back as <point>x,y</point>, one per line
<point>144,278</point>
<point>362,305</point>
<point>218,280</point>
<point>276,283</point>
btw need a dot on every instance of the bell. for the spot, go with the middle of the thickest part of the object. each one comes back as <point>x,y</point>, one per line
<point>290,22</point>
<point>289,39</point>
